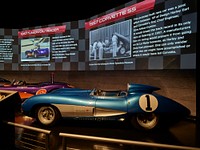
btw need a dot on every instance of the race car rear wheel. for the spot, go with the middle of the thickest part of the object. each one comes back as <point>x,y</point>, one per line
<point>47,115</point>
<point>146,121</point>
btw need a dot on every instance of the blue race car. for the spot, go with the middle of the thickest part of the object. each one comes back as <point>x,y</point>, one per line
<point>139,104</point>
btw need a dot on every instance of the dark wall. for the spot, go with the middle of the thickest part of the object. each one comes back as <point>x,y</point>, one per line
<point>8,107</point>
<point>177,84</point>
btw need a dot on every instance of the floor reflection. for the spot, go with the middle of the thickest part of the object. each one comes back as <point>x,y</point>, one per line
<point>176,135</point>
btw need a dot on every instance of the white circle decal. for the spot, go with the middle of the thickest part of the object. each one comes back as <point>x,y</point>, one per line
<point>148,102</point>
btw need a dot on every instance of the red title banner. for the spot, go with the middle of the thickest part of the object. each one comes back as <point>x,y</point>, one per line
<point>42,31</point>
<point>122,13</point>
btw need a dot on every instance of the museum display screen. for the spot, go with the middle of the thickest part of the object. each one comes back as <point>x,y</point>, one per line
<point>149,34</point>
<point>50,48</point>
<point>139,35</point>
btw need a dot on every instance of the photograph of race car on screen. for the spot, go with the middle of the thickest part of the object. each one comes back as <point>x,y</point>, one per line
<point>35,49</point>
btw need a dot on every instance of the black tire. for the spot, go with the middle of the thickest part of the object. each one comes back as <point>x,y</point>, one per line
<point>47,115</point>
<point>145,121</point>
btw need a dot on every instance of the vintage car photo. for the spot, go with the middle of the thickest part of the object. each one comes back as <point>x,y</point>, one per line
<point>138,104</point>
<point>111,42</point>
<point>35,49</point>
<point>37,52</point>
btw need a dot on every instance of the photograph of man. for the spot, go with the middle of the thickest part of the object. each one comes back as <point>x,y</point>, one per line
<point>100,49</point>
<point>114,44</point>
<point>111,42</point>
<point>93,50</point>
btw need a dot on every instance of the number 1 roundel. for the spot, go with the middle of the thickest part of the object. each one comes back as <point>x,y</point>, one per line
<point>148,102</point>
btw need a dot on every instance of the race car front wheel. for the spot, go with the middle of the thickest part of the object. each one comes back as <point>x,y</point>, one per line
<point>47,115</point>
<point>145,121</point>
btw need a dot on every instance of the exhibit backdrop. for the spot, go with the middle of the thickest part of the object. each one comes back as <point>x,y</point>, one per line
<point>139,35</point>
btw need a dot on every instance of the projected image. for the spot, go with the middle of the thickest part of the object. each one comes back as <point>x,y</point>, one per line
<point>111,42</point>
<point>35,49</point>
<point>140,35</point>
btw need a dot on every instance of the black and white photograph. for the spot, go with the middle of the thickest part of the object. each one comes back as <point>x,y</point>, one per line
<point>111,42</point>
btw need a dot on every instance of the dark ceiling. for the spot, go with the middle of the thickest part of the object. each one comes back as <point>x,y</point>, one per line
<point>32,13</point>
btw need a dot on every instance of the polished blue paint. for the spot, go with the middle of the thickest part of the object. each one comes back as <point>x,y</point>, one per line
<point>128,103</point>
